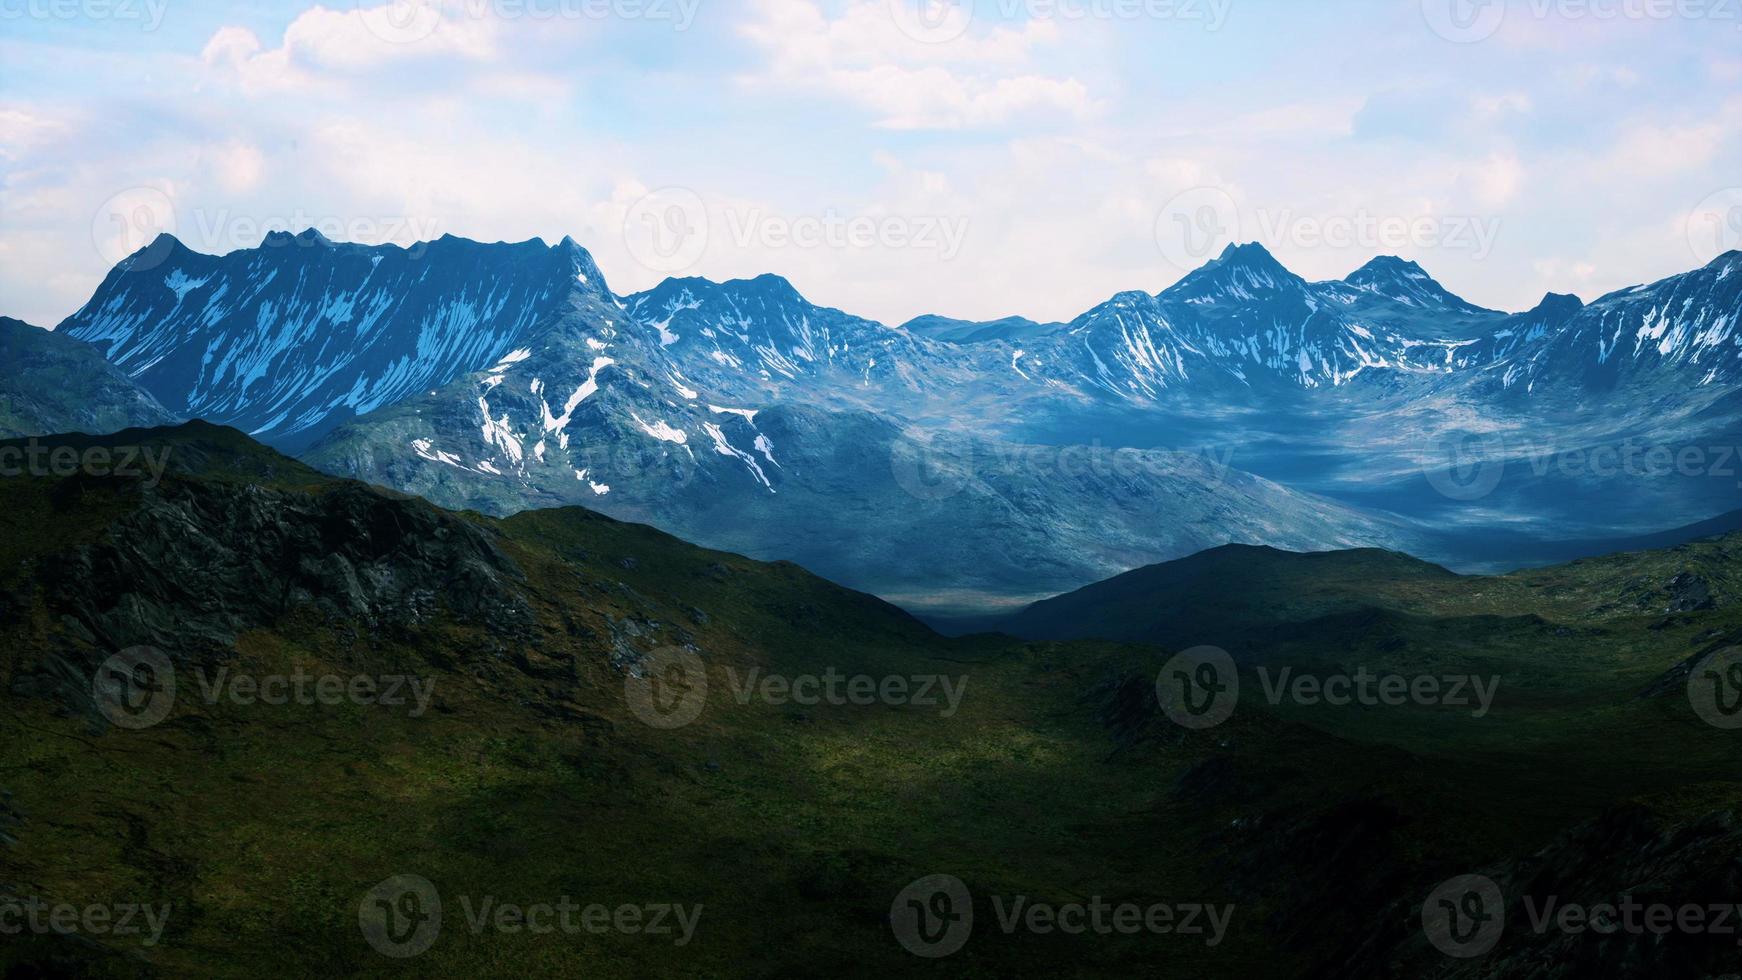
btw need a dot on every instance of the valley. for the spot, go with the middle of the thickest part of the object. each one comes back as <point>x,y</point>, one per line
<point>789,826</point>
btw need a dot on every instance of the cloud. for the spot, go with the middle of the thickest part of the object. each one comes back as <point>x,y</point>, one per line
<point>1496,180</point>
<point>21,131</point>
<point>238,166</point>
<point>1059,141</point>
<point>863,57</point>
<point>322,46</point>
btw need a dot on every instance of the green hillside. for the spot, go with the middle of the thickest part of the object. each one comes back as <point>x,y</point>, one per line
<point>1036,768</point>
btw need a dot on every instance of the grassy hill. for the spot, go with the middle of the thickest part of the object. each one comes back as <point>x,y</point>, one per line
<point>531,772</point>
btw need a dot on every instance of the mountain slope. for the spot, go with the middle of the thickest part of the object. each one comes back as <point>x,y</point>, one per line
<point>1408,283</point>
<point>594,417</point>
<point>54,383</point>
<point>1244,599</point>
<point>294,337</point>
<point>523,773</point>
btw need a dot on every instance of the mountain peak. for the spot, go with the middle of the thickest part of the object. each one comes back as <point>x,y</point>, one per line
<point>1246,251</point>
<point>582,267</point>
<point>1241,272</point>
<point>1381,265</point>
<point>152,254</point>
<point>766,286</point>
<point>1406,282</point>
<point>1559,303</point>
<point>305,238</point>
<point>775,285</point>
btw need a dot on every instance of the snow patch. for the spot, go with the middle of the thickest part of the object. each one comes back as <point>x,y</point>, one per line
<point>659,430</point>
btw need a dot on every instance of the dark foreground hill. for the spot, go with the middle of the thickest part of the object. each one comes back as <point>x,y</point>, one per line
<point>561,709</point>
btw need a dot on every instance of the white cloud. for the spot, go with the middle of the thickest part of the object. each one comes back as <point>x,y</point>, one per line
<point>21,130</point>
<point>1655,150</point>
<point>238,165</point>
<point>1488,108</point>
<point>864,58</point>
<point>322,45</point>
<point>1496,180</point>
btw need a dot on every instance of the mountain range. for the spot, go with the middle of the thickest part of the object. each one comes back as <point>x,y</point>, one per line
<point>947,462</point>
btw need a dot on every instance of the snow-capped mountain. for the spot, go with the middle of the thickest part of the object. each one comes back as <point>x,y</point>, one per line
<point>1686,329</point>
<point>760,338</point>
<point>743,415</point>
<point>1402,281</point>
<point>287,340</point>
<point>1243,322</point>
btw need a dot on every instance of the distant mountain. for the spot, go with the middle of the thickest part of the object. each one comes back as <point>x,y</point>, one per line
<point>759,339</point>
<point>607,418</point>
<point>1015,329</point>
<point>287,340</point>
<point>53,384</point>
<point>1685,331</point>
<point>1408,283</point>
<point>504,376</point>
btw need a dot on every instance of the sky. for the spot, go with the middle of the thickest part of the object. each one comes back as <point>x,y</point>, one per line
<point>970,158</point>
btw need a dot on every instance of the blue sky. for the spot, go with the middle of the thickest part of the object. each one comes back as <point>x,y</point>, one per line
<point>976,159</point>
